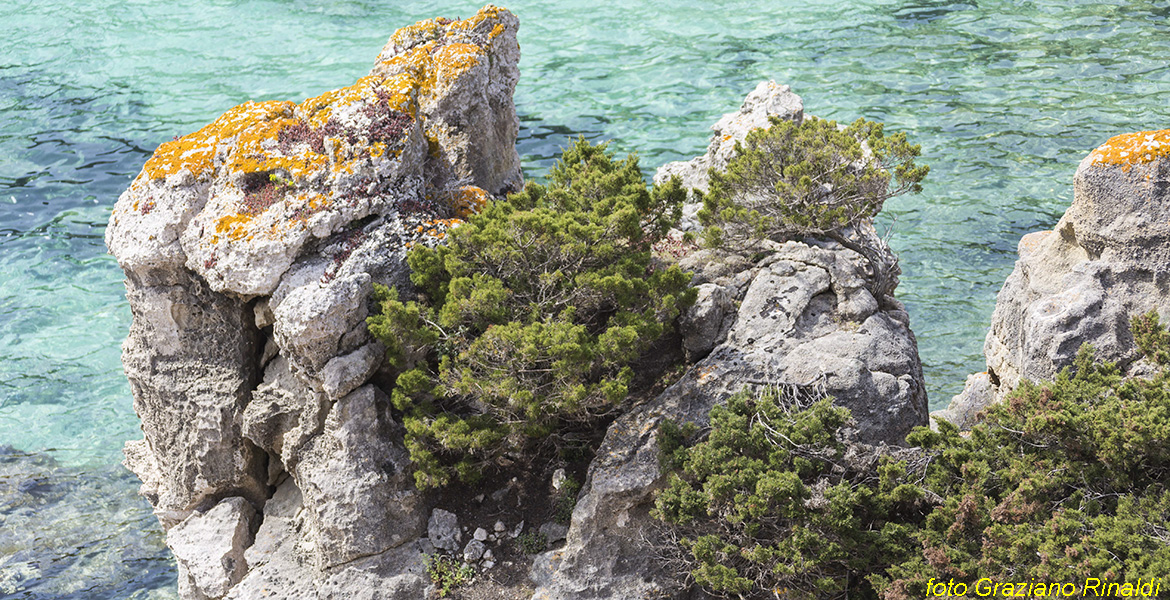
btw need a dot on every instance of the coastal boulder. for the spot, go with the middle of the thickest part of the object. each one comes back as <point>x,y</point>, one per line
<point>800,315</point>
<point>1107,260</point>
<point>251,248</point>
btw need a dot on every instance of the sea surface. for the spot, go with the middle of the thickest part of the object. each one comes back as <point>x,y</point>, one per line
<point>1006,97</point>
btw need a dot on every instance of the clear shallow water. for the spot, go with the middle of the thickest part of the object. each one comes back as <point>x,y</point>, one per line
<point>1005,98</point>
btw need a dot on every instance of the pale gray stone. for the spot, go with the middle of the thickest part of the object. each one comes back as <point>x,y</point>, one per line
<point>558,479</point>
<point>554,532</point>
<point>473,551</point>
<point>964,409</point>
<point>209,548</point>
<point>343,374</point>
<point>358,493</point>
<point>1107,260</point>
<point>443,530</point>
<point>706,323</point>
<point>190,356</point>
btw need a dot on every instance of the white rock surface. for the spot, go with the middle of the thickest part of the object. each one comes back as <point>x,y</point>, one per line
<point>209,548</point>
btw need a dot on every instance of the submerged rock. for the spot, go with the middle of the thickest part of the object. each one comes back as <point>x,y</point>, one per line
<point>51,543</point>
<point>250,249</point>
<point>1107,260</point>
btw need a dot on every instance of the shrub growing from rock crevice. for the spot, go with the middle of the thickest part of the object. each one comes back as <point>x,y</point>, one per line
<point>1064,481</point>
<point>815,179</point>
<point>531,314</point>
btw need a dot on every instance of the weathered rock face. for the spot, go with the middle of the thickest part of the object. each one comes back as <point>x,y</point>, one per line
<point>1107,260</point>
<point>250,249</point>
<point>801,315</point>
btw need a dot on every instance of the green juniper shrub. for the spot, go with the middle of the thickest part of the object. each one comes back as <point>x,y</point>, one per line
<point>532,542</point>
<point>812,178</point>
<point>531,314</point>
<point>771,500</point>
<point>1064,481</point>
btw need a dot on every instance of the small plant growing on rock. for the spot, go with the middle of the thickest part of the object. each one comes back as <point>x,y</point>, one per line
<point>532,542</point>
<point>532,314</point>
<point>447,572</point>
<point>812,179</point>
<point>565,501</point>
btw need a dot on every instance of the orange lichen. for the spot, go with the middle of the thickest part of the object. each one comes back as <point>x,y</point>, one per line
<point>233,227</point>
<point>195,151</point>
<point>273,148</point>
<point>468,200</point>
<point>441,49</point>
<point>423,30</point>
<point>452,60</point>
<point>1130,149</point>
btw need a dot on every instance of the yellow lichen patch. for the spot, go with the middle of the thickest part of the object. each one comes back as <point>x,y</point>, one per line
<point>197,150</point>
<point>485,13</point>
<point>1132,149</point>
<point>318,109</point>
<point>451,61</point>
<point>255,151</point>
<point>468,200</point>
<point>400,92</point>
<point>233,227</point>
<point>440,49</point>
<point>423,30</point>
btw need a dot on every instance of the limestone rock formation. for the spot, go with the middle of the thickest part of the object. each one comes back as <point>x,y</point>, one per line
<point>768,100</point>
<point>250,249</point>
<point>800,315</point>
<point>209,548</point>
<point>1107,260</point>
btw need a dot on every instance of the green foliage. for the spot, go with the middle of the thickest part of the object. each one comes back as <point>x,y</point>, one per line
<point>768,502</point>
<point>533,312</point>
<point>1151,338</point>
<point>565,501</point>
<point>672,443</point>
<point>532,542</point>
<point>810,179</point>
<point>1065,480</point>
<point>446,572</point>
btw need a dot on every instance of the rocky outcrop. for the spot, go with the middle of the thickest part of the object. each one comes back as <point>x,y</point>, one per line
<point>250,249</point>
<point>1107,260</point>
<point>769,100</point>
<point>800,315</point>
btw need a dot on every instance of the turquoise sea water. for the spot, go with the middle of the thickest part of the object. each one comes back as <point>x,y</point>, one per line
<point>1005,98</point>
